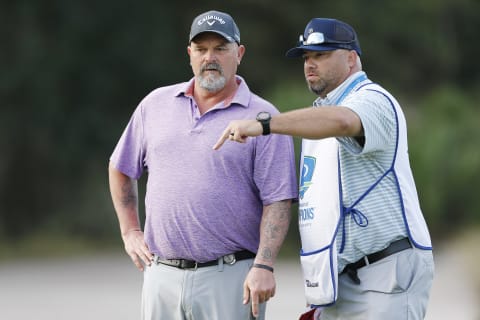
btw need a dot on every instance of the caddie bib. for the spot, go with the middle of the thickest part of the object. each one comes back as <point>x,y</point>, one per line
<point>319,218</point>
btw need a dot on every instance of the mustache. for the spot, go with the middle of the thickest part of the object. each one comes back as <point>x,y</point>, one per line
<point>211,66</point>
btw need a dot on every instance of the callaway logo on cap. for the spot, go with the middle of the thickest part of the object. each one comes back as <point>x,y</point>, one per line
<point>217,22</point>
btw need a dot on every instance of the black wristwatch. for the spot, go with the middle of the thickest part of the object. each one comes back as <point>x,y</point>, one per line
<point>264,118</point>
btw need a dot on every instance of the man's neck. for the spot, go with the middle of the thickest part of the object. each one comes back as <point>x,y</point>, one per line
<point>206,99</point>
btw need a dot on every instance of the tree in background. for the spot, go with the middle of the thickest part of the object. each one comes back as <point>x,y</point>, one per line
<point>73,71</point>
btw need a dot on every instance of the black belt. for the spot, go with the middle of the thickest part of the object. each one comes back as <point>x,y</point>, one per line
<point>191,264</point>
<point>394,247</point>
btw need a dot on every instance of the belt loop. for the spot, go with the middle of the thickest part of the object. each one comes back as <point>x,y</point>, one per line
<point>366,261</point>
<point>220,264</point>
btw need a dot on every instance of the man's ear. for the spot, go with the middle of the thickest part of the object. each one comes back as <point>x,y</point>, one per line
<point>352,58</point>
<point>240,53</point>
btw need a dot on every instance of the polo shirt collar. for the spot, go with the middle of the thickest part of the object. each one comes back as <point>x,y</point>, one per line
<point>241,97</point>
<point>333,95</point>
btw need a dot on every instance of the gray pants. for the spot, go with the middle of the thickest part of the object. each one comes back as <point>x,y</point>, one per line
<point>394,288</point>
<point>206,293</point>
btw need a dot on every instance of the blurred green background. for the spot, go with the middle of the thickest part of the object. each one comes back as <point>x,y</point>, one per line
<point>72,73</point>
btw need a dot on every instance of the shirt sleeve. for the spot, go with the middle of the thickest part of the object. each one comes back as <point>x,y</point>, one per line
<point>378,121</point>
<point>275,171</point>
<point>128,155</point>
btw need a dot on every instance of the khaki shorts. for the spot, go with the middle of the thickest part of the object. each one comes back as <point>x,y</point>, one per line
<point>206,293</point>
<point>394,288</point>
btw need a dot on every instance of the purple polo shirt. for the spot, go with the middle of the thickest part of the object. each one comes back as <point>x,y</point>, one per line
<point>200,203</point>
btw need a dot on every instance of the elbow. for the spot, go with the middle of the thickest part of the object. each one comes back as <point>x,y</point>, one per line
<point>350,125</point>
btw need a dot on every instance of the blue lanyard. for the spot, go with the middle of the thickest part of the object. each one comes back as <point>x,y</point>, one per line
<point>350,87</point>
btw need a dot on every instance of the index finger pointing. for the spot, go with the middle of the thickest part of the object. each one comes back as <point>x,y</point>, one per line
<point>222,139</point>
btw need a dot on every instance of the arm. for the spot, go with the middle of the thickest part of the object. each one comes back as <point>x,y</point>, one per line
<point>309,123</point>
<point>318,123</point>
<point>259,286</point>
<point>124,192</point>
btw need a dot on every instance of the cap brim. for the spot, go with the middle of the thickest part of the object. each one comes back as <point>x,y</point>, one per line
<point>224,35</point>
<point>300,50</point>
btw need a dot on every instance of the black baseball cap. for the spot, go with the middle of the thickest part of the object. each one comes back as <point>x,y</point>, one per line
<point>324,34</point>
<point>217,22</point>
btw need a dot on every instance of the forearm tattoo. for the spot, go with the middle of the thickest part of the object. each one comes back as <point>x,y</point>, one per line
<point>274,228</point>
<point>129,195</point>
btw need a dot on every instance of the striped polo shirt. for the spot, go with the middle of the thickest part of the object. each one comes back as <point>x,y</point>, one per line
<point>378,217</point>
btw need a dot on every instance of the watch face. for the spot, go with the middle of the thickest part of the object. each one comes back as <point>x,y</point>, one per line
<point>263,116</point>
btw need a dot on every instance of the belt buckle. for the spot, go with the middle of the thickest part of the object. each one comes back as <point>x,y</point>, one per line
<point>178,263</point>
<point>186,264</point>
<point>229,259</point>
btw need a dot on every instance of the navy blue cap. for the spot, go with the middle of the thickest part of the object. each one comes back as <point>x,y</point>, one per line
<point>217,22</point>
<point>323,34</point>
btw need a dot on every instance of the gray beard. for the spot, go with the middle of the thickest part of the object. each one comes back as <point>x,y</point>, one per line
<point>212,83</point>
